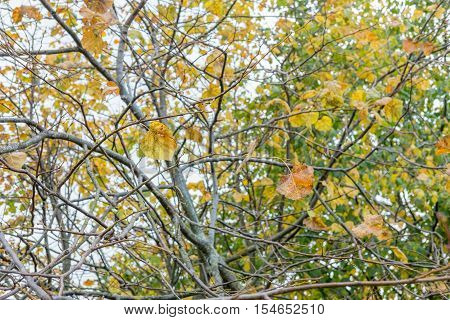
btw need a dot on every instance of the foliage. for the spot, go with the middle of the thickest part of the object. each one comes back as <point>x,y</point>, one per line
<point>198,148</point>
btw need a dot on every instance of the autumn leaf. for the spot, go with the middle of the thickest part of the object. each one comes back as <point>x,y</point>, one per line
<point>16,159</point>
<point>409,46</point>
<point>111,88</point>
<point>158,143</point>
<point>399,254</point>
<point>358,95</point>
<point>279,102</point>
<point>443,145</point>
<point>92,40</point>
<point>393,109</point>
<point>315,223</point>
<point>97,17</point>
<point>308,118</point>
<point>88,283</point>
<point>324,124</point>
<point>383,101</point>
<point>427,48</point>
<point>25,11</point>
<point>372,225</point>
<point>298,184</point>
<point>99,6</point>
<point>194,134</point>
<point>101,19</point>
<point>308,94</point>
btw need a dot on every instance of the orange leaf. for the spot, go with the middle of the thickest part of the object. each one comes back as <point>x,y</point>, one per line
<point>298,184</point>
<point>410,45</point>
<point>27,11</point>
<point>111,88</point>
<point>88,283</point>
<point>443,145</point>
<point>427,48</point>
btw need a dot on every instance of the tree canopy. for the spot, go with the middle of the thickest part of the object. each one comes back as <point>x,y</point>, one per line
<point>196,149</point>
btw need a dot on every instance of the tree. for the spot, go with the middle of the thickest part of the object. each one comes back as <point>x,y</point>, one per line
<point>246,149</point>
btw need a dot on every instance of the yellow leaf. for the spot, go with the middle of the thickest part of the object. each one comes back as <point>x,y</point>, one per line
<point>194,134</point>
<point>417,14</point>
<point>239,196</point>
<point>443,145</point>
<point>279,102</point>
<point>393,109</point>
<point>158,143</point>
<point>247,264</point>
<point>215,7</point>
<point>319,18</point>
<point>303,119</point>
<point>324,124</point>
<point>298,184</point>
<point>358,95</point>
<point>16,159</point>
<point>263,182</point>
<point>92,40</point>
<point>399,254</point>
<point>17,15</point>
<point>309,94</point>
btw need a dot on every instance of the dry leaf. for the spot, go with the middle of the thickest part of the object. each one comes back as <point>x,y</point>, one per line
<point>443,145</point>
<point>88,283</point>
<point>251,148</point>
<point>410,46</point>
<point>111,88</point>
<point>158,143</point>
<point>16,159</point>
<point>372,225</point>
<point>92,39</point>
<point>315,223</point>
<point>25,11</point>
<point>99,6</point>
<point>194,134</point>
<point>383,101</point>
<point>427,48</point>
<point>298,184</point>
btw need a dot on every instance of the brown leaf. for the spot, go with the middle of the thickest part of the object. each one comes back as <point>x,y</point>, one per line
<point>427,48</point>
<point>383,101</point>
<point>25,11</point>
<point>16,159</point>
<point>99,6</point>
<point>194,134</point>
<point>315,223</point>
<point>372,225</point>
<point>298,184</point>
<point>410,45</point>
